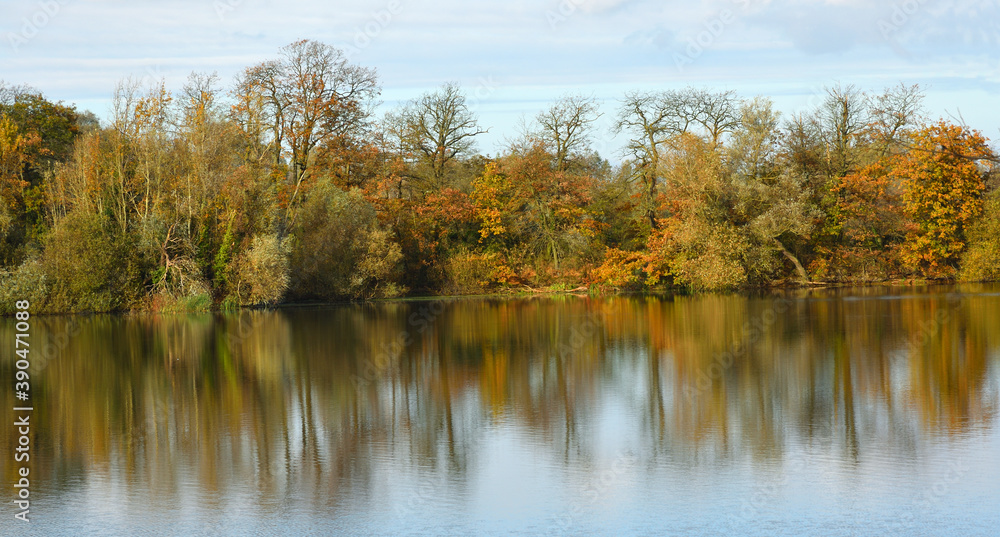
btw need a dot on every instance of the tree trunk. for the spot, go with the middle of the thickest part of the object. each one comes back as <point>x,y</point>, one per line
<point>803,275</point>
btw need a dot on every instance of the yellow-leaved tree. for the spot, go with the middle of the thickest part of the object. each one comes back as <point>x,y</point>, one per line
<point>942,174</point>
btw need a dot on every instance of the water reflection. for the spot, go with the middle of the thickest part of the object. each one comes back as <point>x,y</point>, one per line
<point>413,410</point>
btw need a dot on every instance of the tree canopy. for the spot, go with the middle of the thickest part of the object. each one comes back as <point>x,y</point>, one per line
<point>285,186</point>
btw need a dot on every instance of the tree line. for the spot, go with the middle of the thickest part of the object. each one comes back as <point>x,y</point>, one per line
<point>288,187</point>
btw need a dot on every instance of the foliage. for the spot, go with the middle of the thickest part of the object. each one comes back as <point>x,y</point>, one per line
<point>91,266</point>
<point>981,259</point>
<point>284,187</point>
<point>340,251</point>
<point>623,270</point>
<point>473,273</point>
<point>26,282</point>
<point>262,275</point>
<point>871,222</point>
<point>527,200</point>
<point>943,173</point>
<point>428,229</point>
<point>704,257</point>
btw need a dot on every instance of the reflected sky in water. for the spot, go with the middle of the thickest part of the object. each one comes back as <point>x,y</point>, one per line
<point>831,412</point>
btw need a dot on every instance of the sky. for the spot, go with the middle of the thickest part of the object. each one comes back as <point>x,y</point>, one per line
<point>515,57</point>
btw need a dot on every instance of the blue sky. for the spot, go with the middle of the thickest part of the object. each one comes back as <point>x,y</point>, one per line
<point>514,57</point>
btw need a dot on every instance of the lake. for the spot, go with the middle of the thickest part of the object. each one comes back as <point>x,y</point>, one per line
<point>869,411</point>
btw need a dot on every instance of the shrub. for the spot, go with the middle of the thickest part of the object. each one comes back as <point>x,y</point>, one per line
<point>93,266</point>
<point>620,269</point>
<point>981,262</point>
<point>262,271</point>
<point>340,251</point>
<point>701,256</point>
<point>26,282</point>
<point>472,273</point>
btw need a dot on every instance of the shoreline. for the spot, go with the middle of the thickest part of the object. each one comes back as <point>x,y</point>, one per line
<point>552,292</point>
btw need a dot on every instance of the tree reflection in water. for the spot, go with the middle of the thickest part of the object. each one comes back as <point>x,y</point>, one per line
<point>270,403</point>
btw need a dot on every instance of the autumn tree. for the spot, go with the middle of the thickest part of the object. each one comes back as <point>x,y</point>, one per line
<point>35,134</point>
<point>943,194</point>
<point>438,128</point>
<point>869,220</point>
<point>979,262</point>
<point>524,203</point>
<point>54,123</point>
<point>770,201</point>
<point>840,150</point>
<point>340,249</point>
<point>652,120</point>
<point>728,211</point>
<point>207,143</point>
<point>16,154</point>
<point>430,230</point>
<point>565,128</point>
<point>17,151</point>
<point>308,97</point>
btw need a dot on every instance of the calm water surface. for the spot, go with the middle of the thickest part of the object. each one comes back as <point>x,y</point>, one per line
<point>849,412</point>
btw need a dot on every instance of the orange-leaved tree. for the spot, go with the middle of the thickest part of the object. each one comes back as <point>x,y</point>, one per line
<point>870,221</point>
<point>942,173</point>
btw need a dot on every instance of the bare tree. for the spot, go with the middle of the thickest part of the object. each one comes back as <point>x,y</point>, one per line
<point>309,96</point>
<point>842,118</point>
<point>565,127</point>
<point>753,147</point>
<point>717,112</point>
<point>655,119</point>
<point>438,127</point>
<point>892,113</point>
<point>643,116</point>
<point>10,93</point>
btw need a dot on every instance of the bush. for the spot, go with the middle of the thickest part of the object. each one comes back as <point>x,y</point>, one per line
<point>470,273</point>
<point>856,264</point>
<point>27,282</point>
<point>340,251</point>
<point>262,271</point>
<point>92,266</point>
<point>704,257</point>
<point>981,261</point>
<point>621,270</point>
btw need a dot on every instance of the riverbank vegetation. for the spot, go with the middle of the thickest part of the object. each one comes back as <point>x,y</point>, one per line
<point>287,186</point>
